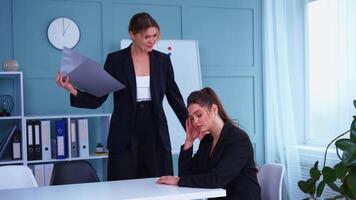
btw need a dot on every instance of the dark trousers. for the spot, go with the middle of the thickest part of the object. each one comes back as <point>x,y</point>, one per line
<point>145,156</point>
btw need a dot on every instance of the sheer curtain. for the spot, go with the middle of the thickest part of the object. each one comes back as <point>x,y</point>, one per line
<point>332,68</point>
<point>283,51</point>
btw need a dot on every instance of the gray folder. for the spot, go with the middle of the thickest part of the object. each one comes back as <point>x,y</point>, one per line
<point>87,75</point>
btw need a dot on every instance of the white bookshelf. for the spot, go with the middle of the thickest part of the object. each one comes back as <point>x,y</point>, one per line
<point>11,83</point>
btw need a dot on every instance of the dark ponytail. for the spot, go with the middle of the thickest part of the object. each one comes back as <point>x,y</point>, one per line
<point>206,97</point>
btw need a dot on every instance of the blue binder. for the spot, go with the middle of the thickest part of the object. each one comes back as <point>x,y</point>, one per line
<point>61,139</point>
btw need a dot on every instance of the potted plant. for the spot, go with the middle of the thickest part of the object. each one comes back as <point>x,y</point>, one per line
<point>344,171</point>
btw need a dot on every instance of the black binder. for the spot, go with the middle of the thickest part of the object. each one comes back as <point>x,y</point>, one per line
<point>30,140</point>
<point>37,139</point>
<point>16,145</point>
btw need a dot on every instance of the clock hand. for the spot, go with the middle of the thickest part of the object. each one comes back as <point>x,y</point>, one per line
<point>65,30</point>
<point>63,27</point>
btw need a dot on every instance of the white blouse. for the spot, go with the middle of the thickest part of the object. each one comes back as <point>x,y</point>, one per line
<point>143,88</point>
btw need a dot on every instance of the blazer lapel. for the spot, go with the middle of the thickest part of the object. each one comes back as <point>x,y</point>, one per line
<point>130,73</point>
<point>219,147</point>
<point>154,75</point>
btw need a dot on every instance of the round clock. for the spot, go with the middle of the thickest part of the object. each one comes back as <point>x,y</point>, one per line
<point>63,32</point>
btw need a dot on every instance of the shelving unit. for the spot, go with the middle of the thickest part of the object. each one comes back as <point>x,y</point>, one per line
<point>11,83</point>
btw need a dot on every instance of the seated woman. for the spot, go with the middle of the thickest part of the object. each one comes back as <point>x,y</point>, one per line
<point>225,155</point>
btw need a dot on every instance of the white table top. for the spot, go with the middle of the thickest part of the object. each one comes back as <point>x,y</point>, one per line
<point>136,189</point>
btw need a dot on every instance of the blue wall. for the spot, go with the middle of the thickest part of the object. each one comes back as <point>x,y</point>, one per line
<point>228,31</point>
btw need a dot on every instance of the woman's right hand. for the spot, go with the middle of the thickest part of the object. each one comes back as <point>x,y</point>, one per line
<point>63,81</point>
<point>191,134</point>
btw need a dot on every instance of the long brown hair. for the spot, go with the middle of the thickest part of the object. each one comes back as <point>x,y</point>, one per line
<point>206,97</point>
<point>141,22</point>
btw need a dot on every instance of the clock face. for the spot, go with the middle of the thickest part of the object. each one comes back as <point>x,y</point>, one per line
<point>63,32</point>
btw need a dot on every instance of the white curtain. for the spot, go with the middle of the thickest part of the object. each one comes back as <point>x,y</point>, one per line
<point>332,69</point>
<point>283,52</point>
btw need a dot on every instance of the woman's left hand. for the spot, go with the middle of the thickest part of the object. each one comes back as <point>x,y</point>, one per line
<point>168,180</point>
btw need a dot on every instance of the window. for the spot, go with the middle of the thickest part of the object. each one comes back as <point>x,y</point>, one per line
<point>331,68</point>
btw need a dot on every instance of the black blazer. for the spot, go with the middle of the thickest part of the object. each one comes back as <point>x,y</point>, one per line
<point>120,65</point>
<point>231,165</point>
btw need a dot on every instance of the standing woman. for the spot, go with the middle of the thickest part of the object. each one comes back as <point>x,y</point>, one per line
<point>138,142</point>
<point>225,155</point>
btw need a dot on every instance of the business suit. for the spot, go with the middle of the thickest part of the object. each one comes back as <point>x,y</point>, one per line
<point>230,166</point>
<point>120,65</point>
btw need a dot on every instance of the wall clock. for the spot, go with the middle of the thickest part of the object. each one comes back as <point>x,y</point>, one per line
<point>63,32</point>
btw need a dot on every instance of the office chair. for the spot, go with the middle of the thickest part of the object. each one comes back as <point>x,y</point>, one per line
<point>270,177</point>
<point>16,176</point>
<point>70,172</point>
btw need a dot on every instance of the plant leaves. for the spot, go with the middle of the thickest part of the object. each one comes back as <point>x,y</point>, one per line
<point>316,164</point>
<point>314,172</point>
<point>334,187</point>
<point>329,175</point>
<point>345,144</point>
<point>307,186</point>
<point>349,151</point>
<point>345,190</point>
<point>320,188</point>
<point>349,159</point>
<point>340,170</point>
<point>353,128</point>
<point>351,181</point>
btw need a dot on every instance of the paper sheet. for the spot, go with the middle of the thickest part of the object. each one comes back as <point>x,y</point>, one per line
<point>87,75</point>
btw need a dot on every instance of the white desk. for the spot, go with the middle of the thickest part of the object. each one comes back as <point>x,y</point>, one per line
<point>137,189</point>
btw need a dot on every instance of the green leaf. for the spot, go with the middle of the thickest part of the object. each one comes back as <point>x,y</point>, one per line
<point>329,175</point>
<point>351,181</point>
<point>340,170</point>
<point>320,188</point>
<point>334,187</point>
<point>349,159</point>
<point>345,144</point>
<point>349,151</point>
<point>316,164</point>
<point>345,190</point>
<point>314,173</point>
<point>353,129</point>
<point>307,186</point>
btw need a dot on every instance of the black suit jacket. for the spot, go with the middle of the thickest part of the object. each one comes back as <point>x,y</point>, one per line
<point>231,165</point>
<point>120,65</point>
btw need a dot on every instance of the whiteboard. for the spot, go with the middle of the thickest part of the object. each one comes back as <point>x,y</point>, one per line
<point>186,65</point>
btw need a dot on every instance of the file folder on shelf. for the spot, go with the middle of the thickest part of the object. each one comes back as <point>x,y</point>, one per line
<point>83,136</point>
<point>16,145</point>
<point>46,139</point>
<point>74,138</point>
<point>61,142</point>
<point>37,139</point>
<point>30,141</point>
